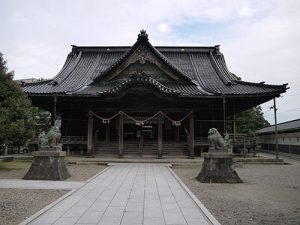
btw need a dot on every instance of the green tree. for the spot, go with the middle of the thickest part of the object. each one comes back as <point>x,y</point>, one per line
<point>17,123</point>
<point>249,121</point>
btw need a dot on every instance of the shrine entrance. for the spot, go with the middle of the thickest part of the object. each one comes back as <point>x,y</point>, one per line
<point>147,135</point>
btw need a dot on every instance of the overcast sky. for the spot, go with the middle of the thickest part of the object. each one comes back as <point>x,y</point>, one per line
<point>260,39</point>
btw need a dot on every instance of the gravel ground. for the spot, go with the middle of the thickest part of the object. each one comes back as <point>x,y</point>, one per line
<point>18,204</point>
<point>79,172</point>
<point>270,195</point>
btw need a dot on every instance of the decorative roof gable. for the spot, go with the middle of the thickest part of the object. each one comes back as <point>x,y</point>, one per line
<point>142,52</point>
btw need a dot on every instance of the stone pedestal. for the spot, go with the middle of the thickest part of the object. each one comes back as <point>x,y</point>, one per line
<point>217,168</point>
<point>48,164</point>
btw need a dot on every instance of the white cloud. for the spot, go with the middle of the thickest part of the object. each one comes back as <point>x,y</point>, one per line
<point>245,11</point>
<point>163,28</point>
<point>266,49</point>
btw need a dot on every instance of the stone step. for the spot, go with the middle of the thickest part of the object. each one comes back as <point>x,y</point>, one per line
<point>149,148</point>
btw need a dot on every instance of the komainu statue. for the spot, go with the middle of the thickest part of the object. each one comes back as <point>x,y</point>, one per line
<point>51,138</point>
<point>215,139</point>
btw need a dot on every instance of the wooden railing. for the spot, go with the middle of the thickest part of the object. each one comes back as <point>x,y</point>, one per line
<point>237,140</point>
<point>66,140</point>
<point>73,140</point>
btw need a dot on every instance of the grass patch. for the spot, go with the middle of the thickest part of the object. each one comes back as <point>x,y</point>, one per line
<point>15,165</point>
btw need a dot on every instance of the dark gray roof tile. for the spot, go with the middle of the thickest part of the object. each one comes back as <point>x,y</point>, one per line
<point>282,127</point>
<point>204,67</point>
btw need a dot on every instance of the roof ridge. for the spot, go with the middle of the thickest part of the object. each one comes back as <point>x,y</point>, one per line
<point>182,48</point>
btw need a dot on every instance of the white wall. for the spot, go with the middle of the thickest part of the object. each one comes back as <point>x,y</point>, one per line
<point>284,139</point>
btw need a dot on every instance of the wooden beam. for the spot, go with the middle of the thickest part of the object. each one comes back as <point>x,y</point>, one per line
<point>191,136</point>
<point>160,136</point>
<point>90,135</point>
<point>121,135</point>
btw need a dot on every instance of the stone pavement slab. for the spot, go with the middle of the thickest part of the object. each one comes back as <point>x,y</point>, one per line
<point>128,194</point>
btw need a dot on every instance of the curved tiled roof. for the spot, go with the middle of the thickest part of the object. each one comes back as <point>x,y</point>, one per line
<point>202,69</point>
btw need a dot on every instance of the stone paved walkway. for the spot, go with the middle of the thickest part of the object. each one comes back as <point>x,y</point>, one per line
<point>128,194</point>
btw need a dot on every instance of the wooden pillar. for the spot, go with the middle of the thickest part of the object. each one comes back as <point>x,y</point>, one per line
<point>160,136</point>
<point>68,147</point>
<point>176,130</point>
<point>234,124</point>
<point>90,135</point>
<point>121,135</point>
<point>53,116</point>
<point>191,136</point>
<point>107,133</point>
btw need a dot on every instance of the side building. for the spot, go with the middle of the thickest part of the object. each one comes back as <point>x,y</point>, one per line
<point>288,137</point>
<point>145,100</point>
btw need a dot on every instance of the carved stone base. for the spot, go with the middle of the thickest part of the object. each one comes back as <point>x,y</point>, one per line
<point>217,168</point>
<point>48,165</point>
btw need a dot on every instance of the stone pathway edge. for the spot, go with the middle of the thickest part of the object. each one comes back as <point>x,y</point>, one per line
<point>205,211</point>
<point>43,210</point>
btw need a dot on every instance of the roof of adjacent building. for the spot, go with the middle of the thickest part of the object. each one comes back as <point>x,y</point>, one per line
<point>282,127</point>
<point>202,71</point>
<point>26,81</point>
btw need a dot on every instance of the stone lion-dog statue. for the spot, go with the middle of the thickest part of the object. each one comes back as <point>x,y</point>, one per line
<point>215,139</point>
<point>51,138</point>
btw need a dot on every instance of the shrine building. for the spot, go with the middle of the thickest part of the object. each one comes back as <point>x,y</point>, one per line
<point>144,100</point>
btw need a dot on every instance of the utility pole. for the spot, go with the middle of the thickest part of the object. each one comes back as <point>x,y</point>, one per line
<point>276,132</point>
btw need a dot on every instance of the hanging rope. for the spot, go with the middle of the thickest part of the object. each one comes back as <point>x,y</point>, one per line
<point>105,120</point>
<point>141,122</point>
<point>177,122</point>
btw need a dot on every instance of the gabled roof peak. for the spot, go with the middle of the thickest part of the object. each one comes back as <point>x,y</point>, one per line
<point>143,35</point>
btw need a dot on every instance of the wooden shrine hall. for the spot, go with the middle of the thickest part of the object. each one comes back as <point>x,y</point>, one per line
<point>144,99</point>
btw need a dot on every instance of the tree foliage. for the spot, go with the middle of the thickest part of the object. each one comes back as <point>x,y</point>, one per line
<point>17,123</point>
<point>249,121</point>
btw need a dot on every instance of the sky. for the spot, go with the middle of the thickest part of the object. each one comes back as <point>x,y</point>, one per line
<point>260,39</point>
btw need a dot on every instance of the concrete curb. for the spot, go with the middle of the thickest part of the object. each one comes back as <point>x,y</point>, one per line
<point>37,214</point>
<point>205,211</point>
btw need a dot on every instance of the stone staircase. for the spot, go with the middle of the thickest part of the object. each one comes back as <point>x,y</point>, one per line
<point>149,149</point>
